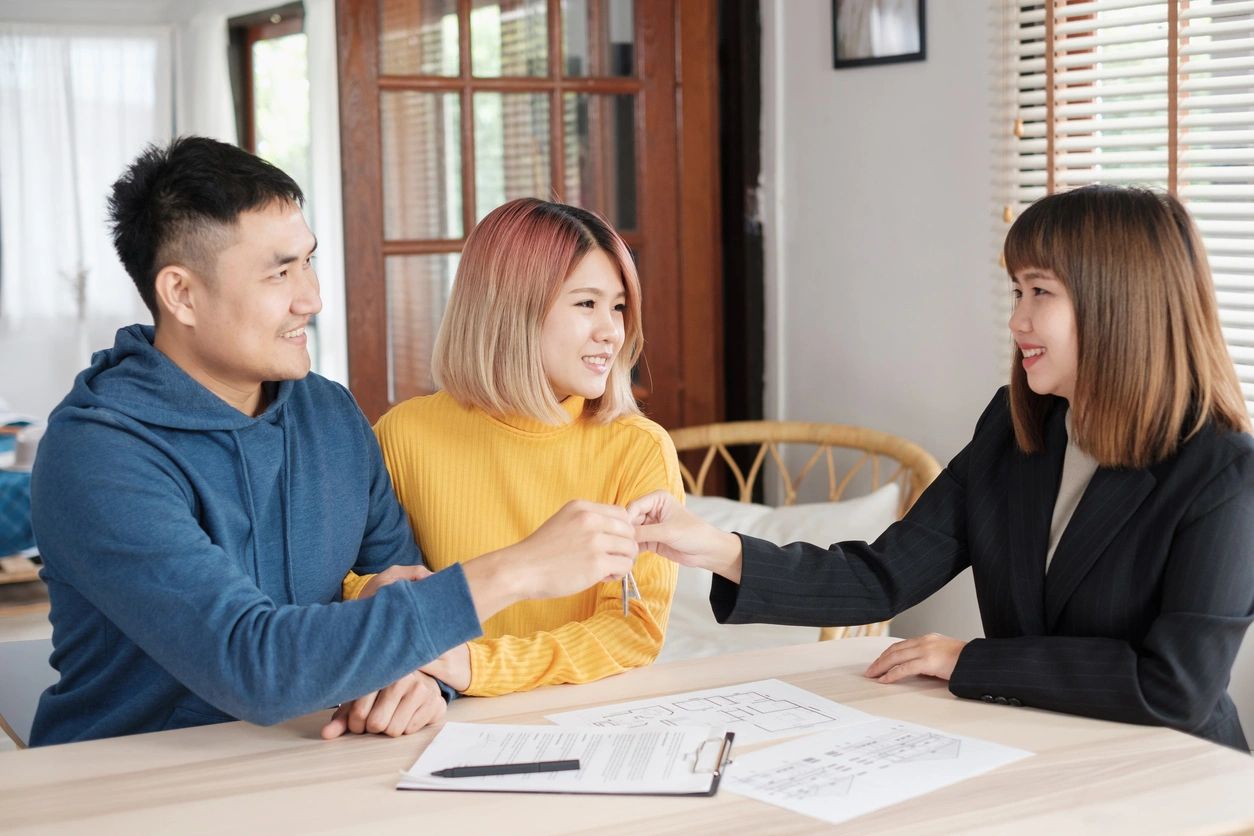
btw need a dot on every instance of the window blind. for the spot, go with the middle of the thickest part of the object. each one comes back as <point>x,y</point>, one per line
<point>1154,93</point>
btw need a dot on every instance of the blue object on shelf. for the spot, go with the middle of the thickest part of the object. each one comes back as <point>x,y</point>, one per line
<point>15,530</point>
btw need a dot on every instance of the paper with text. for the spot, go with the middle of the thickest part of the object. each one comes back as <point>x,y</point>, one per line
<point>664,761</point>
<point>764,710</point>
<point>847,772</point>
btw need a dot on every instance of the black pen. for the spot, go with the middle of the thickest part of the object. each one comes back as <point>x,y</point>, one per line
<point>505,769</point>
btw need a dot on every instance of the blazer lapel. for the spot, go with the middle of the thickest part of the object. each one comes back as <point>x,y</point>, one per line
<point>1033,487</point>
<point>1109,500</point>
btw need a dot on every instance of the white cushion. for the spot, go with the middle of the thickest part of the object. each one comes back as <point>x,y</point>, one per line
<point>692,630</point>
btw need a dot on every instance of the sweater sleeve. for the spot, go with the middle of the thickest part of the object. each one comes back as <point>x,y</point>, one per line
<point>353,584</point>
<point>607,642</point>
<point>116,519</point>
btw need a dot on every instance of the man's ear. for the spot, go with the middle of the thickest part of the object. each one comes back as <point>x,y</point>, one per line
<point>174,288</point>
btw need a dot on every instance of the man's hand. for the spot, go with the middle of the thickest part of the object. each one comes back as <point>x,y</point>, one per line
<point>453,668</point>
<point>582,544</point>
<point>930,655</point>
<point>391,575</point>
<point>404,707</point>
<point>666,527</point>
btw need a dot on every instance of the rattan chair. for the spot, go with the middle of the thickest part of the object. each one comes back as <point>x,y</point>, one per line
<point>853,457</point>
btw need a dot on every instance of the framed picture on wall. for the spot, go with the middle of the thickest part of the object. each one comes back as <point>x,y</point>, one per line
<point>877,32</point>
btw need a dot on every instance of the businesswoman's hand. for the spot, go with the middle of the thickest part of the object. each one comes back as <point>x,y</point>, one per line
<point>410,703</point>
<point>664,526</point>
<point>930,655</point>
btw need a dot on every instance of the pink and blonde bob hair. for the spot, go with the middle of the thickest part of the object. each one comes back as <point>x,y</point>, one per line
<point>487,353</point>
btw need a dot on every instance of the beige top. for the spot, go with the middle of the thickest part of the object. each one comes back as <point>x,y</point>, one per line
<point>1078,468</point>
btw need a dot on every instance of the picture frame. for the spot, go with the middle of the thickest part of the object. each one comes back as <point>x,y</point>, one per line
<point>867,32</point>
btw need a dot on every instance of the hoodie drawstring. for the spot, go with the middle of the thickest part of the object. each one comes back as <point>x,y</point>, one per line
<point>248,495</point>
<point>285,501</point>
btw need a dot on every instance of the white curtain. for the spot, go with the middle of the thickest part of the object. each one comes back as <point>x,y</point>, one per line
<point>76,106</point>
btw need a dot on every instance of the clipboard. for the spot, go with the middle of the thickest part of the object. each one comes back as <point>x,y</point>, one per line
<point>649,760</point>
<point>719,764</point>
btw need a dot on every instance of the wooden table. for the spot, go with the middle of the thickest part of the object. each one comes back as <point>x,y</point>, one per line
<point>1087,775</point>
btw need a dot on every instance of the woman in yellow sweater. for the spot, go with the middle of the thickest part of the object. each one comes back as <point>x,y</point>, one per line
<point>534,361</point>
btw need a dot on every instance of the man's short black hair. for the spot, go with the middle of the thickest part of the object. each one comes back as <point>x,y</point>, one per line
<point>176,205</point>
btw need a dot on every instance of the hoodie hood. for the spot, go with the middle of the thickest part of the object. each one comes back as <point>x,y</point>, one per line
<point>135,379</point>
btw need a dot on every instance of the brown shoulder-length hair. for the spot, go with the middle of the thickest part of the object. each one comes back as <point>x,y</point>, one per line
<point>487,352</point>
<point>1152,366</point>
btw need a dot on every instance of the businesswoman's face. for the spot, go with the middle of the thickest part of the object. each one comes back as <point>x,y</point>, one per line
<point>583,331</point>
<point>1043,327</point>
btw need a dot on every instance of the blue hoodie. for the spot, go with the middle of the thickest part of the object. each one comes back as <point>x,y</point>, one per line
<point>194,554</point>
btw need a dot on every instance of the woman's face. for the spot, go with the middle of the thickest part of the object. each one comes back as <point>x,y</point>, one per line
<point>583,331</point>
<point>1043,326</point>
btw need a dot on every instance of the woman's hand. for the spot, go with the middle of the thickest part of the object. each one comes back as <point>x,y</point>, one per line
<point>407,705</point>
<point>664,526</point>
<point>453,668</point>
<point>930,655</point>
<point>391,575</point>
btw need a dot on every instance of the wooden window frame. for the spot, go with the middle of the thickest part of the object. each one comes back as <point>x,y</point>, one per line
<point>246,31</point>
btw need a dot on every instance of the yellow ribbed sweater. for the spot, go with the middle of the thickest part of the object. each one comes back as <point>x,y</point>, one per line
<point>472,483</point>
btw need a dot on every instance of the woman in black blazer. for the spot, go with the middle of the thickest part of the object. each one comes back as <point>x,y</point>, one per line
<point>1105,502</point>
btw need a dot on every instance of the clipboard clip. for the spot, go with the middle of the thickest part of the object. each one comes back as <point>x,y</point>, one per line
<point>723,757</point>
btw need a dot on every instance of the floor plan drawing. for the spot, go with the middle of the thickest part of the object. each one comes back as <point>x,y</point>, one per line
<point>753,707</point>
<point>755,711</point>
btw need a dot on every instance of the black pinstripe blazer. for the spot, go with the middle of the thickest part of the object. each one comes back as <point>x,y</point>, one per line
<point>1149,594</point>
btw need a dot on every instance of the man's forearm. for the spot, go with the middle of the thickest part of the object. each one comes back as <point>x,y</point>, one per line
<point>495,582</point>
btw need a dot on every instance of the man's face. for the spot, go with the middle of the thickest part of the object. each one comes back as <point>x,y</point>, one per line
<point>250,316</point>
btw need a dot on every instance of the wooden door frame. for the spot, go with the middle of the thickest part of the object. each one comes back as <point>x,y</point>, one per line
<point>700,198</point>
<point>683,283</point>
<point>365,284</point>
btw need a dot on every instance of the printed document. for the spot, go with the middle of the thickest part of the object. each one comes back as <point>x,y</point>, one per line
<point>846,772</point>
<point>677,760</point>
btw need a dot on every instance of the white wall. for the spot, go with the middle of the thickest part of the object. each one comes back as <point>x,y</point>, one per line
<point>885,296</point>
<point>884,304</point>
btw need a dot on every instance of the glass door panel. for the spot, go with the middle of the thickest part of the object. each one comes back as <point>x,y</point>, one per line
<point>512,136</point>
<point>420,137</point>
<point>599,159</point>
<point>417,293</point>
<point>418,38</point>
<point>509,38</point>
<point>598,38</point>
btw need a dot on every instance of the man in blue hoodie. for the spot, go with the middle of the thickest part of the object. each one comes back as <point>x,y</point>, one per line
<point>200,495</point>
